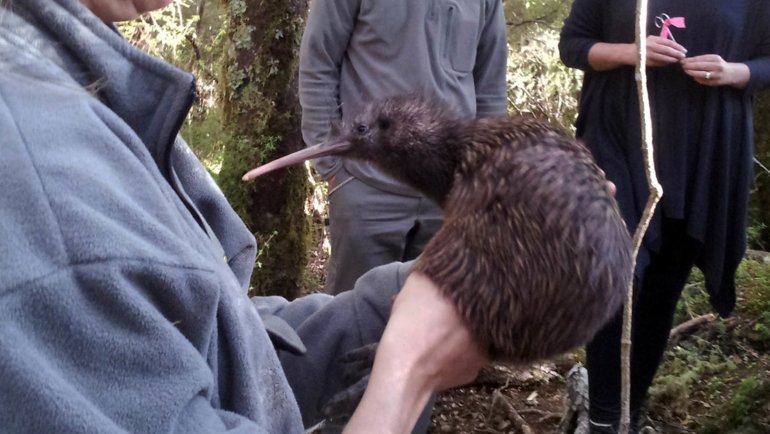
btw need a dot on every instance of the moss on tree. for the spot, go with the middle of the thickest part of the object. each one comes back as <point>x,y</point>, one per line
<point>261,114</point>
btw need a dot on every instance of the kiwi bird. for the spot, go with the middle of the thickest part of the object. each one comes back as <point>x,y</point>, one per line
<point>533,250</point>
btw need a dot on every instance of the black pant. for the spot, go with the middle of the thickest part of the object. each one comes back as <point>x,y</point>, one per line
<point>654,307</point>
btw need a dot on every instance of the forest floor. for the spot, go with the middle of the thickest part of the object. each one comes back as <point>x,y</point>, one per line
<point>715,378</point>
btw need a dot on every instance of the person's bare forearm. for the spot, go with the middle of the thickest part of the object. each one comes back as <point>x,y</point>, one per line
<point>393,399</point>
<point>604,56</point>
<point>739,75</point>
<point>427,346</point>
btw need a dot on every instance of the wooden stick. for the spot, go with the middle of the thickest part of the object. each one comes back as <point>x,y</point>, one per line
<point>688,327</point>
<point>656,191</point>
<point>518,421</point>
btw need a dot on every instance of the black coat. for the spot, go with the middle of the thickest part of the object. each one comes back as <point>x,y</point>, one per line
<point>703,136</point>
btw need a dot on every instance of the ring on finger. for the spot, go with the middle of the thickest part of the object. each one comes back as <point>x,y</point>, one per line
<point>708,75</point>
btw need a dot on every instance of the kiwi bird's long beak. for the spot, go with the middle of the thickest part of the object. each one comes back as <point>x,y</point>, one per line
<point>320,150</point>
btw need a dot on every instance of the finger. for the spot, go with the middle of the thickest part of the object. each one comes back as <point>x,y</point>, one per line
<point>611,186</point>
<point>365,353</point>
<point>665,42</point>
<point>707,58</point>
<point>660,58</point>
<point>351,374</point>
<point>358,363</point>
<point>704,82</point>
<point>707,78</point>
<point>666,51</point>
<point>711,82</point>
<point>700,66</point>
<point>345,402</point>
<point>694,74</point>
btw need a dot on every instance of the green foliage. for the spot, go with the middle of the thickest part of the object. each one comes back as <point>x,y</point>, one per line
<point>192,41</point>
<point>751,396</point>
<point>694,300</point>
<point>700,363</point>
<point>264,247</point>
<point>206,137</point>
<point>762,329</point>
<point>538,83</point>
<point>164,31</point>
<point>243,153</point>
<point>759,204</point>
<point>754,301</point>
<point>755,233</point>
<point>718,381</point>
<point>754,278</point>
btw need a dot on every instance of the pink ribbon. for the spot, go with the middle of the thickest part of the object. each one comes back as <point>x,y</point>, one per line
<point>677,22</point>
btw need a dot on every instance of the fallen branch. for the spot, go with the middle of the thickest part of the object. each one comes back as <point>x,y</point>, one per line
<point>689,327</point>
<point>542,413</point>
<point>518,421</point>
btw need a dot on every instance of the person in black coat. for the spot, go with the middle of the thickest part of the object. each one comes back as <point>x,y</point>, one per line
<point>704,66</point>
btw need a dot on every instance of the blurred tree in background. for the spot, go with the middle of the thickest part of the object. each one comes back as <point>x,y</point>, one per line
<point>260,112</point>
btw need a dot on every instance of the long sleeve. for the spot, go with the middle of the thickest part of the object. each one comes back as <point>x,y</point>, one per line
<point>327,33</point>
<point>491,63</point>
<point>103,347</point>
<point>759,65</point>
<point>330,327</point>
<point>582,29</point>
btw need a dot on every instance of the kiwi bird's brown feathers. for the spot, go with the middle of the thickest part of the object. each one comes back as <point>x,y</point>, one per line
<point>533,249</point>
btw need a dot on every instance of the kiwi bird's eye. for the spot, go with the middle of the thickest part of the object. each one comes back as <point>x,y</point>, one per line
<point>362,128</point>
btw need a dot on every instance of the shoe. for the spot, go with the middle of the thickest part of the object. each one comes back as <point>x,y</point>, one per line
<point>601,428</point>
<point>606,428</point>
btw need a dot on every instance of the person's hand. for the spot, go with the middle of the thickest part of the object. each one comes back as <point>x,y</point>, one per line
<point>604,56</point>
<point>663,51</point>
<point>427,346</point>
<point>713,70</point>
<point>426,330</point>
<point>610,185</point>
<point>612,188</point>
<point>356,368</point>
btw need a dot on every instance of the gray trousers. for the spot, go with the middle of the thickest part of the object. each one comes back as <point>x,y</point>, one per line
<point>371,227</point>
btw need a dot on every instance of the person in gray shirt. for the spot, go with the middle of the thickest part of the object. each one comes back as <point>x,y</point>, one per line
<point>354,51</point>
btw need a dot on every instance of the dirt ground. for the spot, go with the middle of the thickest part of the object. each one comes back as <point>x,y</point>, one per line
<point>535,393</point>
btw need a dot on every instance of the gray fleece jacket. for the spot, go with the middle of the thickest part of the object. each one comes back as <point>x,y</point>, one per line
<point>124,271</point>
<point>356,51</point>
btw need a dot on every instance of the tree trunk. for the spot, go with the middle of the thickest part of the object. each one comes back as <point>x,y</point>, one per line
<point>759,209</point>
<point>262,116</point>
